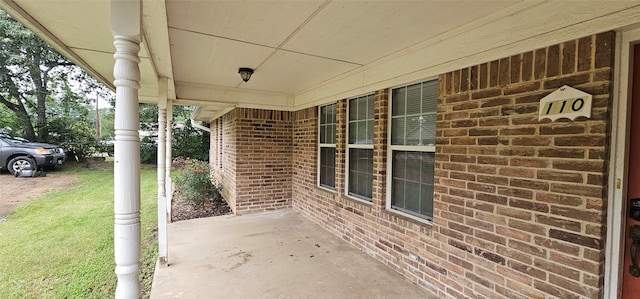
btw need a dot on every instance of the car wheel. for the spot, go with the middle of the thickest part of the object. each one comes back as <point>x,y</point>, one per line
<point>18,163</point>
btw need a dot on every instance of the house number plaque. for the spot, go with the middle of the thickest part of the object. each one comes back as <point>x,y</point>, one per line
<point>566,102</point>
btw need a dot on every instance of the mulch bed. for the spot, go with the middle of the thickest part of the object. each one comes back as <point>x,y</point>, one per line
<point>181,210</point>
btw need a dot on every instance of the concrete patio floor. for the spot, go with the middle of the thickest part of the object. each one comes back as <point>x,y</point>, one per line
<point>271,255</point>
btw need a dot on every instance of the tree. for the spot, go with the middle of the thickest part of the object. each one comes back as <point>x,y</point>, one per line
<point>107,116</point>
<point>187,141</point>
<point>27,75</point>
<point>36,80</point>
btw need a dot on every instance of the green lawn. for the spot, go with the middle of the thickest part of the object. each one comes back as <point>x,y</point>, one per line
<point>61,245</point>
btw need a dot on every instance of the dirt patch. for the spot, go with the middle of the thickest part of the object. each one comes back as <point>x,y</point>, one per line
<point>16,190</point>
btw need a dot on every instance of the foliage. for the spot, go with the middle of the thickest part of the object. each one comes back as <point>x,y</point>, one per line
<point>43,96</point>
<point>148,117</point>
<point>194,183</point>
<point>190,142</point>
<point>75,137</point>
<point>107,118</point>
<point>61,245</point>
<point>27,74</point>
<point>187,141</point>
<point>69,126</point>
<point>148,150</point>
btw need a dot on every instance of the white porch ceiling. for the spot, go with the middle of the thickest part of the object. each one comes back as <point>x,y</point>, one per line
<point>309,52</point>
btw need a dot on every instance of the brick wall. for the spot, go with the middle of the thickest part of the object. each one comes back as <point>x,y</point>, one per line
<point>215,151</point>
<point>257,160</point>
<point>305,167</point>
<point>520,204</point>
<point>227,175</point>
<point>215,143</point>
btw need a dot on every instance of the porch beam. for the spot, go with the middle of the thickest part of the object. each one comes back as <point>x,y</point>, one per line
<point>126,19</point>
<point>161,173</point>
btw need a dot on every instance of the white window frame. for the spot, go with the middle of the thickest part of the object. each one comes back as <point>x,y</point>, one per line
<point>326,145</point>
<point>220,138</point>
<point>356,146</point>
<point>410,148</point>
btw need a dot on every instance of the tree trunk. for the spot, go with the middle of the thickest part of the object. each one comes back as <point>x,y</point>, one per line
<point>28,126</point>
<point>41,96</point>
<point>21,111</point>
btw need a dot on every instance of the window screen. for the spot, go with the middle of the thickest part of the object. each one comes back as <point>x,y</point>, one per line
<point>412,148</point>
<point>327,146</point>
<point>360,147</point>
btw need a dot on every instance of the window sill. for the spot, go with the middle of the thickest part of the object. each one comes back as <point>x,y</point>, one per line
<point>359,200</point>
<point>395,214</point>
<point>326,189</point>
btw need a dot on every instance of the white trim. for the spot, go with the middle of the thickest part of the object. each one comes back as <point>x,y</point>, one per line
<point>169,159</point>
<point>412,148</point>
<point>356,146</point>
<point>194,123</point>
<point>163,245</point>
<point>360,146</point>
<point>220,142</point>
<point>319,166</point>
<point>614,255</point>
<point>321,145</point>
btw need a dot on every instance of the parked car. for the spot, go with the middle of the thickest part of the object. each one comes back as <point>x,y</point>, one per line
<point>18,153</point>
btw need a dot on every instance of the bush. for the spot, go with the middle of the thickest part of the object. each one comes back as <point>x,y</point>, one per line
<point>76,138</point>
<point>190,142</point>
<point>179,162</point>
<point>187,141</point>
<point>194,183</point>
<point>148,150</point>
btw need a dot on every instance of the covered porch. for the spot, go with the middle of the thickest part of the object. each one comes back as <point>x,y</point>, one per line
<point>515,206</point>
<point>276,254</point>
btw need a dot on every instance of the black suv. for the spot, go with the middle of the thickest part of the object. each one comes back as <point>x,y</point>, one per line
<point>19,154</point>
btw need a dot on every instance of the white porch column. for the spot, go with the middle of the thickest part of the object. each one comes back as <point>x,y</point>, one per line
<point>162,196</point>
<point>168,155</point>
<point>126,29</point>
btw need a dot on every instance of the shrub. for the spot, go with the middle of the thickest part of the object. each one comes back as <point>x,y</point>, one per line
<point>148,150</point>
<point>194,183</point>
<point>179,162</point>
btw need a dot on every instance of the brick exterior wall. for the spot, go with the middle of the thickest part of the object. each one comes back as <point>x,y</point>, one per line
<point>215,150</point>
<point>215,155</point>
<point>227,175</point>
<point>257,162</point>
<point>520,204</point>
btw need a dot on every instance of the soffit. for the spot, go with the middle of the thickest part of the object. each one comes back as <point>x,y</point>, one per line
<point>309,52</point>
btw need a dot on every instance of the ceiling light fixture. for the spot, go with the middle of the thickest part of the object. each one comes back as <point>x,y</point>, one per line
<point>245,73</point>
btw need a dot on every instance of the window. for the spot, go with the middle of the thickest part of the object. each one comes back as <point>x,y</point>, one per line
<point>220,142</point>
<point>412,149</point>
<point>360,147</point>
<point>327,147</point>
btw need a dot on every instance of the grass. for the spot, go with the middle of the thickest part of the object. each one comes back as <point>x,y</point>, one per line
<point>61,244</point>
